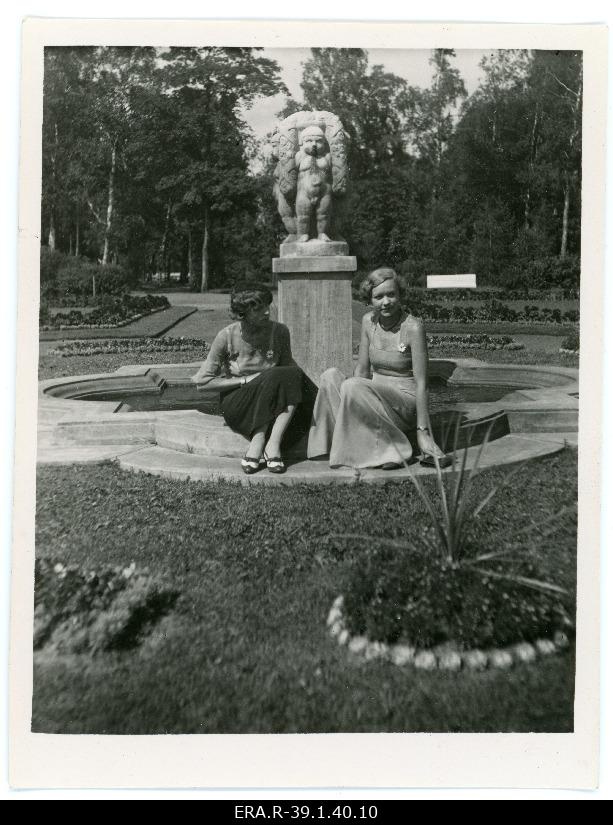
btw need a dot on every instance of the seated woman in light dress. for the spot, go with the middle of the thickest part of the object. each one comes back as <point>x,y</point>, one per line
<point>264,396</point>
<point>363,421</point>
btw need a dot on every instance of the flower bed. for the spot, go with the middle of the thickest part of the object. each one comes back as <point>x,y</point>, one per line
<point>129,346</point>
<point>448,657</point>
<point>418,596</point>
<point>111,608</point>
<point>474,341</point>
<point>110,313</point>
<point>412,606</point>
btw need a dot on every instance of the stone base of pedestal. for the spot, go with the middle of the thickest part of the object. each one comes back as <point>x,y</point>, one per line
<point>315,303</point>
<point>314,247</point>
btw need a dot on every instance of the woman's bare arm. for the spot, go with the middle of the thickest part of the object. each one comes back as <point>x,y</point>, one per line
<point>419,353</point>
<point>209,375</point>
<point>363,368</point>
<point>220,383</point>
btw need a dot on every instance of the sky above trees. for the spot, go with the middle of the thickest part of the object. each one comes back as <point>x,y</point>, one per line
<point>411,64</point>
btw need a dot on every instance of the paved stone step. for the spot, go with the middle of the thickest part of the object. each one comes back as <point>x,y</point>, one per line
<point>92,454</point>
<point>172,464</point>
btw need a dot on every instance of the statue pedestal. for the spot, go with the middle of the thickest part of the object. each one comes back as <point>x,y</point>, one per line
<point>315,303</point>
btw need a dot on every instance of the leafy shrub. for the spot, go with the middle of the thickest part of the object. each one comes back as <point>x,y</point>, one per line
<point>571,343</point>
<point>43,314</point>
<point>548,273</point>
<point>108,609</point>
<point>69,281</point>
<point>111,280</point>
<point>74,281</point>
<point>50,262</point>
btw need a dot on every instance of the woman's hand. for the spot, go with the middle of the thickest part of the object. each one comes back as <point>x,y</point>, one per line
<point>234,369</point>
<point>195,379</point>
<point>428,445</point>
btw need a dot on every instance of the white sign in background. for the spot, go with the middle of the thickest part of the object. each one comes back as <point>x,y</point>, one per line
<point>451,281</point>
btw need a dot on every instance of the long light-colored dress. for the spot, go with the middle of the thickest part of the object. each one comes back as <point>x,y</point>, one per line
<point>363,422</point>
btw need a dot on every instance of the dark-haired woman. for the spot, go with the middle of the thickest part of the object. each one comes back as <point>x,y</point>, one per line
<point>264,396</point>
<point>363,421</point>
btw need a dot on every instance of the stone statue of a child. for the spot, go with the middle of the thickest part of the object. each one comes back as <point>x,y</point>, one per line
<point>314,185</point>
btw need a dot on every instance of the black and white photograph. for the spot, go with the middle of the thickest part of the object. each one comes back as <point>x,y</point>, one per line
<point>306,405</point>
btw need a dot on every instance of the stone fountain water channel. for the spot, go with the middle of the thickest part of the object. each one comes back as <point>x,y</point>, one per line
<point>152,419</point>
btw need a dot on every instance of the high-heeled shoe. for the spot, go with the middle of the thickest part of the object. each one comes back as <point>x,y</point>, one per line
<point>251,465</point>
<point>274,464</point>
<point>428,460</point>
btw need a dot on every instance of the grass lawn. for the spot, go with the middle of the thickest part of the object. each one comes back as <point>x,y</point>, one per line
<point>246,647</point>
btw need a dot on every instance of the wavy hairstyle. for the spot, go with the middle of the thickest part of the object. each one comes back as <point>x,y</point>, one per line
<point>376,278</point>
<point>246,295</point>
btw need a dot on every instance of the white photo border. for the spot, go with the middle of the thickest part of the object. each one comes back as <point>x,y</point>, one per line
<point>311,760</point>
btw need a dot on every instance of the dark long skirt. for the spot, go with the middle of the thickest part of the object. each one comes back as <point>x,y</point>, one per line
<point>255,405</point>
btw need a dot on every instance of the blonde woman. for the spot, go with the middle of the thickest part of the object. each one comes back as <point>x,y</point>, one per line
<point>363,421</point>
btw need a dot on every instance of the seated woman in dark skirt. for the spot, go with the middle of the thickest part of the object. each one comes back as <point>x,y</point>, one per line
<point>264,396</point>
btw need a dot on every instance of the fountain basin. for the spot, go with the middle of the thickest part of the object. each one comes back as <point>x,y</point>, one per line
<point>145,406</point>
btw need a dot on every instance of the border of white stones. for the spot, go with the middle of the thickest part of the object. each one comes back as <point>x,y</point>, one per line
<point>441,658</point>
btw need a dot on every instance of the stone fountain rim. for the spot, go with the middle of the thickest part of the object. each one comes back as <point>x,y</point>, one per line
<point>148,441</point>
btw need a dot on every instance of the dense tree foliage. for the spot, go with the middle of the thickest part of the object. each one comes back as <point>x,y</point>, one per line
<point>148,162</point>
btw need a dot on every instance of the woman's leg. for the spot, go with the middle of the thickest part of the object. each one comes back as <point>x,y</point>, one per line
<point>368,430</point>
<point>256,445</point>
<point>281,423</point>
<point>253,408</point>
<point>325,412</point>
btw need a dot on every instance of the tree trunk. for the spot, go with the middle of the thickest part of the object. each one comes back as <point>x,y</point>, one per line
<point>530,168</point>
<point>51,240</point>
<point>204,283</point>
<point>568,175</point>
<point>109,208</point>
<point>191,269</point>
<point>565,216</point>
<point>77,244</point>
<point>164,244</point>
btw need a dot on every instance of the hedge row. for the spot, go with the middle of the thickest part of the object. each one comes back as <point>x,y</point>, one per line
<point>491,312</point>
<point>490,293</point>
